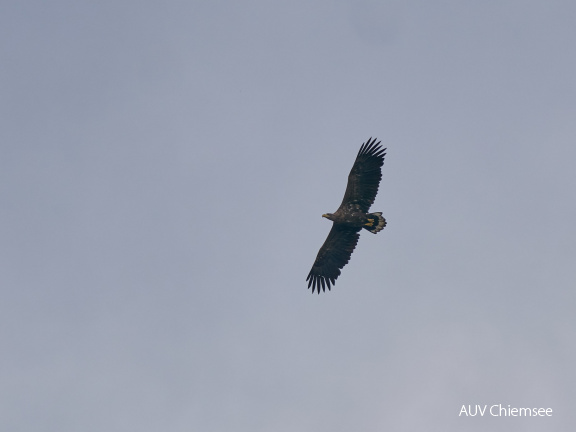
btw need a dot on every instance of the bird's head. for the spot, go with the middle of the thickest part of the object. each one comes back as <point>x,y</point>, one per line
<point>328,216</point>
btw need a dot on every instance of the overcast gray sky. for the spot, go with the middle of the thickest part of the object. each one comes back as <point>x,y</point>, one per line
<point>163,170</point>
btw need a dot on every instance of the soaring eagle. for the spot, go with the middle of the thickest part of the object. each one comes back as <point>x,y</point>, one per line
<point>351,216</point>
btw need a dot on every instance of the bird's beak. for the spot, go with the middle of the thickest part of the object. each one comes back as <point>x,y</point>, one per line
<point>325,215</point>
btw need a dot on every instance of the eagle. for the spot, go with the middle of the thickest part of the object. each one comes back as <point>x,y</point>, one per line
<point>351,217</point>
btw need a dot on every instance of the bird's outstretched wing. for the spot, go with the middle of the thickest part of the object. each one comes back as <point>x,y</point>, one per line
<point>333,255</point>
<point>364,176</point>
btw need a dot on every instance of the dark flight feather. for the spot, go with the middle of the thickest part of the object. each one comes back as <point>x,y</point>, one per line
<point>365,176</point>
<point>333,255</point>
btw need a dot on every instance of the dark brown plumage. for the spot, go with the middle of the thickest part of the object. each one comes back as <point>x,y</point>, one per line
<point>351,217</point>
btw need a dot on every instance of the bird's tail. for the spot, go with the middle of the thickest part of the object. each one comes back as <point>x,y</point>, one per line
<point>374,222</point>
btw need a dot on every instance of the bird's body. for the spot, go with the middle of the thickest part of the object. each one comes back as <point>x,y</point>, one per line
<point>354,218</point>
<point>351,217</point>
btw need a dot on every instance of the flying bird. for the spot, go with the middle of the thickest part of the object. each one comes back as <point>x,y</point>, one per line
<point>351,216</point>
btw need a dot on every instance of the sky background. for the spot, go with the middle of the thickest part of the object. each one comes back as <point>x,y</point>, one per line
<point>163,171</point>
